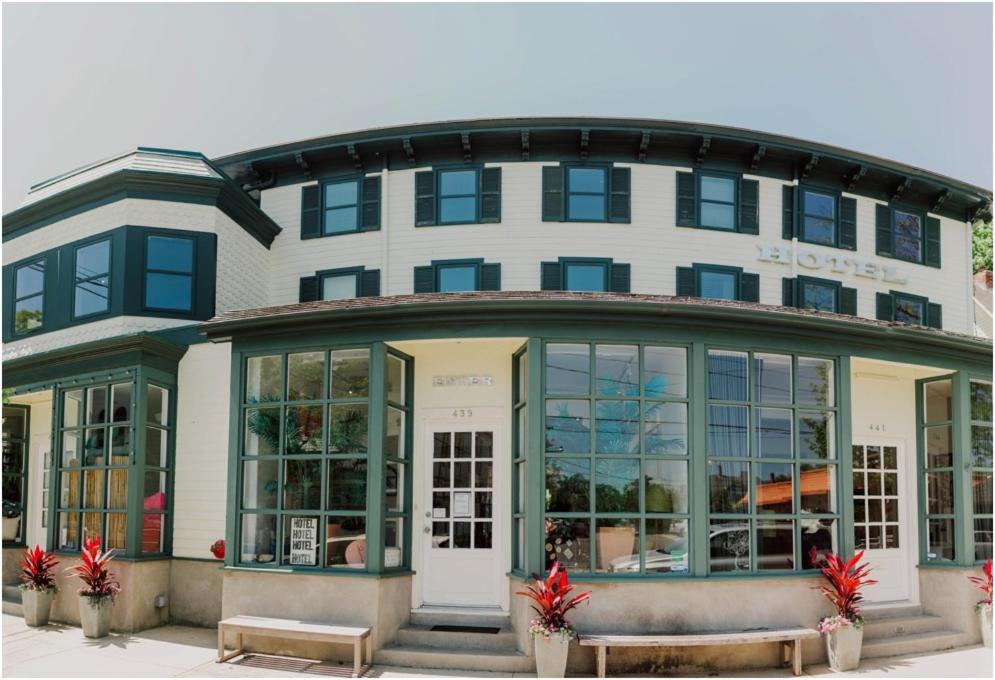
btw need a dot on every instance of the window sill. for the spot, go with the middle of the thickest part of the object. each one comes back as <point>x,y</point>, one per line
<point>719,229</point>
<point>316,571</point>
<point>338,233</point>
<point>457,224</point>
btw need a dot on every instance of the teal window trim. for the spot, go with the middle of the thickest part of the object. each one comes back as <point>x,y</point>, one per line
<point>520,542</point>
<point>894,209</point>
<point>924,469</point>
<point>897,295</point>
<point>736,178</point>
<point>604,262</point>
<point>34,261</point>
<point>18,477</point>
<point>977,467</point>
<point>358,205</point>
<point>803,213</point>
<point>438,266</point>
<point>370,513</point>
<point>735,272</point>
<point>326,274</point>
<point>402,462</point>
<point>438,173</point>
<point>592,515</point>
<point>78,281</point>
<point>605,168</point>
<point>146,270</point>
<point>838,460</point>
<point>812,280</point>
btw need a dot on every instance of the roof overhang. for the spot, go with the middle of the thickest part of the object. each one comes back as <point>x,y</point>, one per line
<point>609,139</point>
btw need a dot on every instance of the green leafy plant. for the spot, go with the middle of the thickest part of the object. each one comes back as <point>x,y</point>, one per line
<point>981,246</point>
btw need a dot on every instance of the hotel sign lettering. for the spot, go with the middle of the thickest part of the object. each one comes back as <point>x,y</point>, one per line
<point>304,541</point>
<point>462,381</point>
<point>837,264</point>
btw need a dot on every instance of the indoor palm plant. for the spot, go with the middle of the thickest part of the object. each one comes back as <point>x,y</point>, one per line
<point>98,589</point>
<point>38,586</point>
<point>844,631</point>
<point>984,607</point>
<point>551,630</point>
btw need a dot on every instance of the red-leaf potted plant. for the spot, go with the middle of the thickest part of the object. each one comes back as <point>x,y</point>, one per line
<point>38,586</point>
<point>98,589</point>
<point>844,631</point>
<point>218,549</point>
<point>984,607</point>
<point>551,631</point>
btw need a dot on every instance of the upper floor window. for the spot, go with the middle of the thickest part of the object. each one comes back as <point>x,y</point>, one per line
<point>715,200</point>
<point>911,309</point>
<point>908,235</point>
<point>595,275</point>
<point>92,288</point>
<point>818,218</point>
<point>169,267</point>
<point>340,206</point>
<point>454,276</point>
<point>718,282</point>
<point>340,284</point>
<point>586,193</point>
<point>822,295</point>
<point>464,195</point>
<point>29,297</point>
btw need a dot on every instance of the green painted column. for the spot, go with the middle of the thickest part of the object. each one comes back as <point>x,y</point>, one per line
<point>845,453</point>
<point>962,477</point>
<point>534,491</point>
<point>698,393</point>
<point>232,549</point>
<point>375,500</point>
<point>136,468</point>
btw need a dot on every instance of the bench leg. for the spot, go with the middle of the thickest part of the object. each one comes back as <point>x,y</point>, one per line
<point>357,657</point>
<point>221,646</point>
<point>600,658</point>
<point>796,657</point>
<point>785,647</point>
<point>221,643</point>
<point>369,651</point>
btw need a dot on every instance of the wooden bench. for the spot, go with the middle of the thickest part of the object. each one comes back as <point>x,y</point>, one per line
<point>790,639</point>
<point>297,630</point>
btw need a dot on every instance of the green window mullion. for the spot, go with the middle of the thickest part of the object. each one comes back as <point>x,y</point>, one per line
<point>535,475</point>
<point>963,499</point>
<point>844,456</point>
<point>698,466</point>
<point>375,485</point>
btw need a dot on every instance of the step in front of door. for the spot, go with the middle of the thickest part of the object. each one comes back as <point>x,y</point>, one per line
<point>423,636</point>
<point>460,616</point>
<point>454,659</point>
<point>918,643</point>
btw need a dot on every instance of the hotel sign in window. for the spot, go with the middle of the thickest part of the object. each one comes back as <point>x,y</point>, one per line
<point>304,454</point>
<point>981,468</point>
<point>772,460</point>
<point>937,432</point>
<point>616,458</point>
<point>29,297</point>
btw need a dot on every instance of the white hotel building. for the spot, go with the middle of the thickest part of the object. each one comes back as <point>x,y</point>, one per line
<point>674,357</point>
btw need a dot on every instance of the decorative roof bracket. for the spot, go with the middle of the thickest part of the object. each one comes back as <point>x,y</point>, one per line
<point>900,189</point>
<point>409,150</point>
<point>585,141</point>
<point>356,160</point>
<point>644,145</point>
<point>757,156</point>
<point>940,200</point>
<point>525,145</point>
<point>703,150</point>
<point>855,176</point>
<point>302,164</point>
<point>465,139</point>
<point>813,161</point>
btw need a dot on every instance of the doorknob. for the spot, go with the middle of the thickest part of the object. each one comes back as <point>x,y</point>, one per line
<point>427,530</point>
<point>428,513</point>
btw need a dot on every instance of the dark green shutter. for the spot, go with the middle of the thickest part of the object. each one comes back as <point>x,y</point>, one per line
<point>490,276</point>
<point>934,312</point>
<point>848,223</point>
<point>425,279</point>
<point>310,211</point>
<point>620,278</point>
<point>883,231</point>
<point>885,307</point>
<point>620,209</point>
<point>788,212</point>
<point>848,301</point>
<point>687,213</point>
<point>490,195</point>
<point>424,198</point>
<point>749,287</point>
<point>371,204</point>
<point>369,283</point>
<point>551,276</point>
<point>789,293</point>
<point>749,206</point>
<point>552,193</point>
<point>932,254</point>
<point>686,283</point>
<point>308,289</point>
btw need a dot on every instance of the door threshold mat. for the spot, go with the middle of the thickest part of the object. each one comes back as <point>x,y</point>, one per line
<point>466,629</point>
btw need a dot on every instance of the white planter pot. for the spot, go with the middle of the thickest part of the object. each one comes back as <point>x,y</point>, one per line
<point>95,619</point>
<point>37,606</point>
<point>843,648</point>
<point>551,656</point>
<point>10,528</point>
<point>985,618</point>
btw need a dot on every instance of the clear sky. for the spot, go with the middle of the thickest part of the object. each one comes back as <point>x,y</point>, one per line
<point>910,82</point>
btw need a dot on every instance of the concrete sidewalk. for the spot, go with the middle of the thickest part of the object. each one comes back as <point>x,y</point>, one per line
<point>180,651</point>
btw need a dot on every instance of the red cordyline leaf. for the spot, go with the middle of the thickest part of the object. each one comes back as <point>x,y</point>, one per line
<point>549,596</point>
<point>98,581</point>
<point>845,582</point>
<point>984,584</point>
<point>36,568</point>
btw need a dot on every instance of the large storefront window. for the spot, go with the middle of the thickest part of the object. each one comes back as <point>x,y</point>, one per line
<point>15,465</point>
<point>772,460</point>
<point>616,458</point>
<point>303,459</point>
<point>114,438</point>
<point>981,468</point>
<point>937,433</point>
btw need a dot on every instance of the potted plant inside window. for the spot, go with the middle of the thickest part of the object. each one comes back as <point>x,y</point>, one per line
<point>11,520</point>
<point>96,595</point>
<point>37,585</point>
<point>844,631</point>
<point>984,607</point>
<point>551,631</point>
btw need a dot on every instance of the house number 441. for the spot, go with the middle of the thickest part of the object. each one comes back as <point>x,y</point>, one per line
<point>877,427</point>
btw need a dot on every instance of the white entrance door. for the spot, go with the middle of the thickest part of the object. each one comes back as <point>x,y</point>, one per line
<point>461,564</point>
<point>884,517</point>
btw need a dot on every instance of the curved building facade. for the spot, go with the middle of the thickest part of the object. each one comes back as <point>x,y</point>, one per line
<point>401,369</point>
